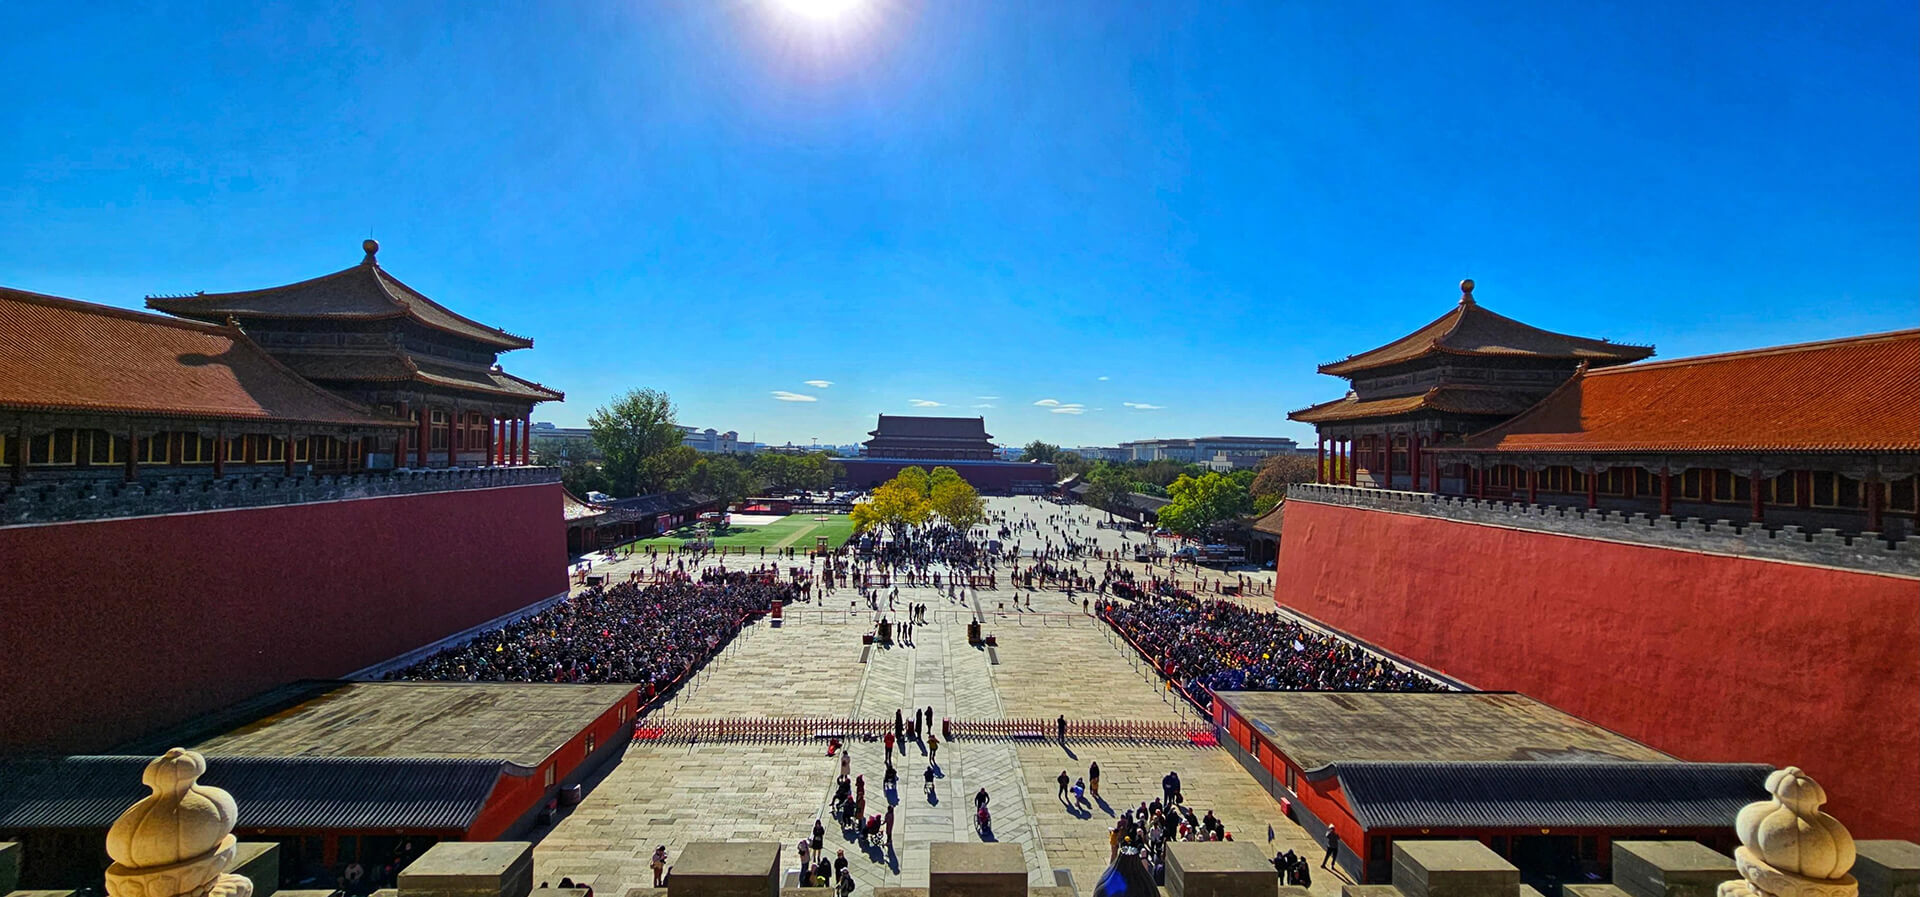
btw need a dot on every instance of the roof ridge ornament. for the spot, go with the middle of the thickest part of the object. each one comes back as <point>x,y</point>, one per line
<point>372,247</point>
<point>1789,847</point>
<point>1466,291</point>
<point>177,841</point>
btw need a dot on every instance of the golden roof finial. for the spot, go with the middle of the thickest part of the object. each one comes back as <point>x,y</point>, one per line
<point>372,246</point>
<point>1466,292</point>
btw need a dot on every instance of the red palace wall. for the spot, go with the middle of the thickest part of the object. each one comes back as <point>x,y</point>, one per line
<point>1707,657</point>
<point>989,476</point>
<point>114,628</point>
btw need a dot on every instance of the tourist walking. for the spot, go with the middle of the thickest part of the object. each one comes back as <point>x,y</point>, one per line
<point>1061,724</point>
<point>889,825</point>
<point>1064,781</point>
<point>1170,786</point>
<point>659,865</point>
<point>933,749</point>
<point>1333,848</point>
<point>1093,778</point>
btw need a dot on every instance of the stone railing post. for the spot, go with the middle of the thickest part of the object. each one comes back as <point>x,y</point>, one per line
<point>177,841</point>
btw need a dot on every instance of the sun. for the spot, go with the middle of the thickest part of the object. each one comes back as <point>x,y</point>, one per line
<point>819,10</point>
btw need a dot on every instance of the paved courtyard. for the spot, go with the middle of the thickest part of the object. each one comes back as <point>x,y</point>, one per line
<point>1054,659</point>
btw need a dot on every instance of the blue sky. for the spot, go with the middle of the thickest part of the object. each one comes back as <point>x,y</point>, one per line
<point>1178,205</point>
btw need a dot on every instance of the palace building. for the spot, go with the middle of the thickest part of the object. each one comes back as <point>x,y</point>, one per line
<point>1563,517</point>
<point>900,437</point>
<point>341,450</point>
<point>363,334</point>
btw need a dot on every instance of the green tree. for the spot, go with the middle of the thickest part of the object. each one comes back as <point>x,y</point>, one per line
<point>1200,504</point>
<point>721,476</point>
<point>1039,451</point>
<point>1107,484</point>
<point>1066,464</point>
<point>957,501</point>
<point>941,476</point>
<point>581,478</point>
<point>634,434</point>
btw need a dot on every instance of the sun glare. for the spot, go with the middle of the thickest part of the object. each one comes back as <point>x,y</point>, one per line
<point>819,10</point>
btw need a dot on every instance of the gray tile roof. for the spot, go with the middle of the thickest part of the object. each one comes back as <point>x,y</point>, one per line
<point>1522,794</point>
<point>416,794</point>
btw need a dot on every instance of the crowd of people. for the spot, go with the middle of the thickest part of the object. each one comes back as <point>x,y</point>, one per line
<point>1148,828</point>
<point>653,635</point>
<point>1221,646</point>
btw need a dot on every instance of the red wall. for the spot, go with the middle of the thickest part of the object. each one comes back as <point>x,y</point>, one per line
<point>118,627</point>
<point>1706,657</point>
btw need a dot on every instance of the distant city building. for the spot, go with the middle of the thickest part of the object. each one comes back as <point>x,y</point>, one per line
<point>563,444</point>
<point>1110,453</point>
<point>1217,452</point>
<point>712,442</point>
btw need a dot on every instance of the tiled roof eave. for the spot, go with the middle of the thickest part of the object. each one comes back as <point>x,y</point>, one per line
<point>1638,448</point>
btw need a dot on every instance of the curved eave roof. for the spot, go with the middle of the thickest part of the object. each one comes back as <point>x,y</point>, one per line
<point>65,355</point>
<point>1857,394</point>
<point>364,292</point>
<point>1443,399</point>
<point>1470,330</point>
<point>399,367</point>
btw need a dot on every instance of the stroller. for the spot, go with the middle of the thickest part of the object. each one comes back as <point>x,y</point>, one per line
<point>870,832</point>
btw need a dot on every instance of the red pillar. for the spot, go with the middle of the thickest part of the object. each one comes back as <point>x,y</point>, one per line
<point>526,439</point>
<point>1593,488</point>
<point>1533,485</point>
<point>455,431</point>
<point>220,455</point>
<point>423,436</point>
<point>1754,484</point>
<point>1666,492</point>
<point>1320,459</point>
<point>1413,460</point>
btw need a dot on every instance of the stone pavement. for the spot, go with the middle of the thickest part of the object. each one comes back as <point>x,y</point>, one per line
<point>1053,660</point>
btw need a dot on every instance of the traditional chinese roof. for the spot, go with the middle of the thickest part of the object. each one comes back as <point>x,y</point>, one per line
<point>903,426</point>
<point>1447,399</point>
<point>72,356</point>
<point>399,366</point>
<point>1858,394</point>
<point>577,509</point>
<point>364,292</point>
<point>1520,794</point>
<point>1469,329</point>
<point>1271,521</point>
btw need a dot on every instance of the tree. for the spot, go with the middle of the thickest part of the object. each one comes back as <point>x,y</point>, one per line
<point>957,501</point>
<point>941,476</point>
<point>635,434</point>
<point>1164,471</point>
<point>721,476</point>
<point>915,478</point>
<point>893,504</point>
<point>1066,464</point>
<point>581,478</point>
<point>1279,472</point>
<point>1200,504</point>
<point>1107,484</point>
<point>1039,451</point>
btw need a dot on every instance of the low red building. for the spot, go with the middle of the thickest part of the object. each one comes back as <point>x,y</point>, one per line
<point>1548,791</point>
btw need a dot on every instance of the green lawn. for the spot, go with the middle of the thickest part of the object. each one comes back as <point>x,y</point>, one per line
<point>794,530</point>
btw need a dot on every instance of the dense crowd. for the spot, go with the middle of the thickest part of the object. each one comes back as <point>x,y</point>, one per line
<point>1229,647</point>
<point>646,634</point>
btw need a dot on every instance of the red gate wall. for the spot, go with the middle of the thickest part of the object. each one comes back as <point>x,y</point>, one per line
<point>114,628</point>
<point>1707,657</point>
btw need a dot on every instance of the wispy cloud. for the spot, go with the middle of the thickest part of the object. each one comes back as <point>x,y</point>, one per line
<point>785,396</point>
<point>1069,409</point>
<point>1047,403</point>
<point>923,403</point>
<point>1142,406</point>
<point>984,405</point>
<point>986,398</point>
<point>818,384</point>
<point>1103,378</point>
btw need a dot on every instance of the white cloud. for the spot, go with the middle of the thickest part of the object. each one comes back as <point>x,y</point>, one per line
<point>986,398</point>
<point>923,403</point>
<point>818,384</point>
<point>1068,409</point>
<point>1047,402</point>
<point>1142,406</point>
<point>785,396</point>
<point>1104,378</point>
<point>984,405</point>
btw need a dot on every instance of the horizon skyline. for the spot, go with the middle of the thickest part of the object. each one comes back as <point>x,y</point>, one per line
<point>1089,226</point>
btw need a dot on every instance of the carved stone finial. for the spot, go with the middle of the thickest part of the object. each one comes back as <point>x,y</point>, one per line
<point>177,841</point>
<point>1789,847</point>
